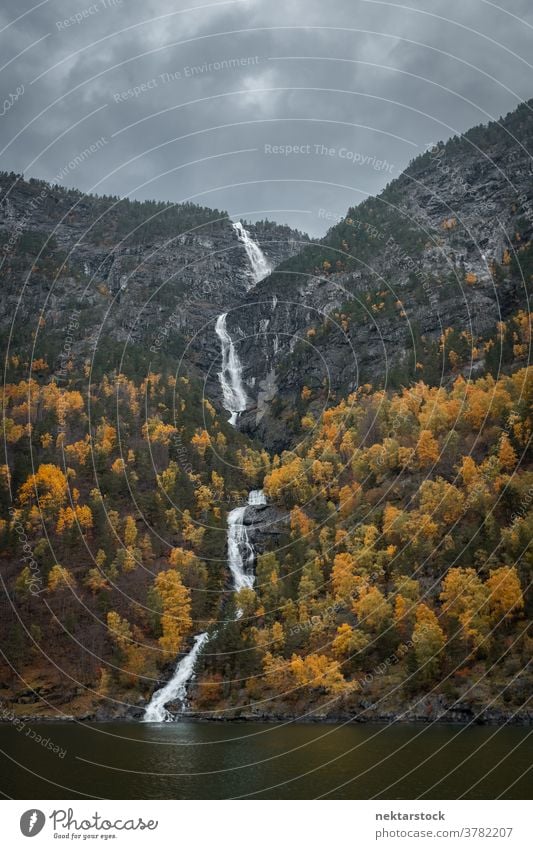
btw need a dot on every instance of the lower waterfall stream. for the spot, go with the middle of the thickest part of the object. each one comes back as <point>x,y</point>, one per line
<point>241,557</point>
<point>176,687</point>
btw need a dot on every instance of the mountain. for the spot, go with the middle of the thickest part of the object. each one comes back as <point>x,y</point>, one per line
<point>137,275</point>
<point>445,247</point>
<point>354,541</point>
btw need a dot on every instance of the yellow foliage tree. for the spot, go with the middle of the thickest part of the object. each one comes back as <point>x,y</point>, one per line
<point>429,640</point>
<point>47,487</point>
<point>301,524</point>
<point>316,671</point>
<point>79,451</point>
<point>95,581</point>
<point>506,454</point>
<point>465,598</point>
<point>277,636</point>
<point>373,610</point>
<point>349,499</point>
<point>344,579</point>
<point>192,532</point>
<point>201,441</point>
<point>176,606</point>
<point>119,630</point>
<point>204,498</point>
<point>60,578</point>
<point>505,599</point>
<point>427,449</point>
<point>348,641</point>
<point>130,531</point>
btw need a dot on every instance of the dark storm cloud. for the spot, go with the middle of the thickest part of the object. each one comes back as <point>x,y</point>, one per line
<point>265,109</point>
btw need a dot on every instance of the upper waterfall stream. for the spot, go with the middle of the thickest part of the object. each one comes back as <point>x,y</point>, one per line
<point>259,264</point>
<point>234,396</point>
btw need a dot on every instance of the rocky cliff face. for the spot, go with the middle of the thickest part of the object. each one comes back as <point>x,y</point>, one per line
<point>147,275</point>
<point>266,525</point>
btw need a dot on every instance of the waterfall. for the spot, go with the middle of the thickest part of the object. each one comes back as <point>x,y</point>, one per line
<point>176,688</point>
<point>241,558</point>
<point>234,396</point>
<point>256,498</point>
<point>258,261</point>
<point>241,553</point>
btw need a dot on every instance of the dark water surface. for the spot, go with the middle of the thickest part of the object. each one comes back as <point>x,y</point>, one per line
<point>270,761</point>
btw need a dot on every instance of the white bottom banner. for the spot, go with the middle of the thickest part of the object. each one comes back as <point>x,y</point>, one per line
<point>262,824</point>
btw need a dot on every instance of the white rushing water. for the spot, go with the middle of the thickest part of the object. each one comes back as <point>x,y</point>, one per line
<point>234,397</point>
<point>259,263</point>
<point>241,554</point>
<point>241,558</point>
<point>176,688</point>
<point>256,497</point>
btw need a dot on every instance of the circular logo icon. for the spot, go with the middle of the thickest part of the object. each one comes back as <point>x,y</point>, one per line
<point>32,822</point>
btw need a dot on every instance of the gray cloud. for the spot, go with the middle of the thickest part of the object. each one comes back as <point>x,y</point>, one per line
<point>205,101</point>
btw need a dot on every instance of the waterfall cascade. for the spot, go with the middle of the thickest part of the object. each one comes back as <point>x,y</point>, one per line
<point>259,263</point>
<point>176,688</point>
<point>241,556</point>
<point>234,396</point>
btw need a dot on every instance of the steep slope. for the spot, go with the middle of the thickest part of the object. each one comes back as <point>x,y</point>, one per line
<point>139,276</point>
<point>445,246</point>
<point>394,503</point>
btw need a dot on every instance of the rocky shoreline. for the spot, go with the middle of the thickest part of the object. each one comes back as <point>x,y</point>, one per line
<point>428,713</point>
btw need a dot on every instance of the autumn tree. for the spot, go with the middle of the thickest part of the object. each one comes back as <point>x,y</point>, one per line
<point>130,531</point>
<point>60,577</point>
<point>427,449</point>
<point>344,578</point>
<point>429,640</point>
<point>119,629</point>
<point>464,598</point>
<point>95,581</point>
<point>441,500</point>
<point>47,488</point>
<point>373,610</point>
<point>348,641</point>
<point>506,454</point>
<point>176,608</point>
<point>505,594</point>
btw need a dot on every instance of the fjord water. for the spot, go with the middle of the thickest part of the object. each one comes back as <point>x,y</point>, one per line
<point>186,760</point>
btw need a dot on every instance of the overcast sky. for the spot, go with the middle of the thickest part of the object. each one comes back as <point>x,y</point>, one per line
<point>360,86</point>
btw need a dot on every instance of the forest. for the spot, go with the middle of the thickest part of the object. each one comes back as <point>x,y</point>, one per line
<point>402,566</point>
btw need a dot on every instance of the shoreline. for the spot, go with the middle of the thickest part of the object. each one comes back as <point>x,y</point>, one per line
<point>495,719</point>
